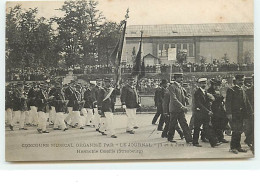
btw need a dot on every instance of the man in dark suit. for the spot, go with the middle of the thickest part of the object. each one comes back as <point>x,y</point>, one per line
<point>237,110</point>
<point>177,109</point>
<point>158,99</point>
<point>202,114</point>
<point>130,102</point>
<point>219,118</point>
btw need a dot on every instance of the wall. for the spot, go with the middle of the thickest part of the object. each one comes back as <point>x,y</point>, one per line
<point>216,50</point>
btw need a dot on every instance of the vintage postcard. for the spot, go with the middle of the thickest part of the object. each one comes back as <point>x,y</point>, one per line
<point>129,80</point>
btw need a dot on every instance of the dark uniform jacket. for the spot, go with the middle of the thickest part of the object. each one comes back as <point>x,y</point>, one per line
<point>250,97</point>
<point>202,104</point>
<point>108,103</point>
<point>31,97</point>
<point>77,98</point>
<point>8,99</point>
<point>41,100</point>
<point>19,101</point>
<point>129,97</point>
<point>59,101</point>
<point>51,93</point>
<point>88,99</point>
<point>69,95</point>
<point>158,98</point>
<point>217,106</point>
<point>166,101</point>
<point>236,102</point>
<point>95,96</point>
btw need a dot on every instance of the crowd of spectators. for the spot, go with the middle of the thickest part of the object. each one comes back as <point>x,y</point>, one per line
<point>42,73</point>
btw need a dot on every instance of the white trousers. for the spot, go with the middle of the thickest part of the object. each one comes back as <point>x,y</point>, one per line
<point>59,121</point>
<point>103,124</point>
<point>77,119</point>
<point>88,114</point>
<point>52,114</point>
<point>33,115</point>
<point>42,121</point>
<point>96,118</point>
<point>109,122</point>
<point>19,116</point>
<point>131,118</point>
<point>27,117</point>
<point>69,117</point>
<point>8,116</point>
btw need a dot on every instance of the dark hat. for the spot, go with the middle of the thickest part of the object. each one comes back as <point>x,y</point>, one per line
<point>239,76</point>
<point>214,81</point>
<point>164,81</point>
<point>107,80</point>
<point>248,79</point>
<point>185,85</point>
<point>19,83</point>
<point>176,75</point>
<point>98,79</point>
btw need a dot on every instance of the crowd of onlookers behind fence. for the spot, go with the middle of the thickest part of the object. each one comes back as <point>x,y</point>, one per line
<point>43,73</point>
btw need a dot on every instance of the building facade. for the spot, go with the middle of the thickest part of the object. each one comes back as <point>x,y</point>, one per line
<point>218,41</point>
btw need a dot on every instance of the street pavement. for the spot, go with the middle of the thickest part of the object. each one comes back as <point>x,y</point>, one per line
<point>88,144</point>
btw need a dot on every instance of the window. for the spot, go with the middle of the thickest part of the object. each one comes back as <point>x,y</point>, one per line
<point>191,52</point>
<point>178,47</point>
<point>172,45</point>
<point>184,46</point>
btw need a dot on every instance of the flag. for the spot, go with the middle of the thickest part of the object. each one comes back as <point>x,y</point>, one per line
<point>142,70</point>
<point>137,63</point>
<point>117,54</point>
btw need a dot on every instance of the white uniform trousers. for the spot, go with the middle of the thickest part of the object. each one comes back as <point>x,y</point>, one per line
<point>103,124</point>
<point>19,116</point>
<point>96,118</point>
<point>33,115</point>
<point>8,116</point>
<point>109,123</point>
<point>42,121</point>
<point>69,117</point>
<point>52,114</point>
<point>131,118</point>
<point>77,119</point>
<point>88,115</point>
<point>27,117</point>
<point>59,121</point>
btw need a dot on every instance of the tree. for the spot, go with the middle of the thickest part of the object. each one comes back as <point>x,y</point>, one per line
<point>29,40</point>
<point>106,41</point>
<point>78,31</point>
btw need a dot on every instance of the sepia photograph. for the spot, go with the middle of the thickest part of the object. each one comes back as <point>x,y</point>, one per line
<point>98,80</point>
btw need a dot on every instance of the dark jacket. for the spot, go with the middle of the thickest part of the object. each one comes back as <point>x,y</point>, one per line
<point>8,99</point>
<point>19,101</point>
<point>108,103</point>
<point>32,97</point>
<point>236,102</point>
<point>41,101</point>
<point>166,102</point>
<point>59,101</point>
<point>217,106</point>
<point>202,104</point>
<point>88,98</point>
<point>69,95</point>
<point>95,96</point>
<point>129,97</point>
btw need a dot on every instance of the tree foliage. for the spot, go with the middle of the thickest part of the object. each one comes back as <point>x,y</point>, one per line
<point>81,36</point>
<point>29,39</point>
